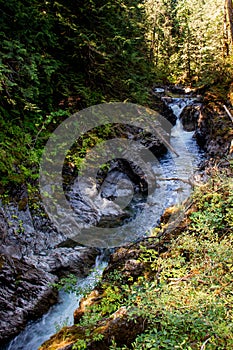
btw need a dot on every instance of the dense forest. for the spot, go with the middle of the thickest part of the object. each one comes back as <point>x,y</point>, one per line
<point>57,58</point>
<point>60,57</point>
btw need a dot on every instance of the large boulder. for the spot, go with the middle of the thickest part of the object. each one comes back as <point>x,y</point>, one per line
<point>30,261</point>
<point>214,132</point>
<point>119,327</point>
<point>25,293</point>
<point>189,117</point>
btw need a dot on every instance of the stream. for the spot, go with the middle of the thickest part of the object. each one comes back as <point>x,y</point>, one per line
<point>185,166</point>
<point>59,315</point>
<point>175,191</point>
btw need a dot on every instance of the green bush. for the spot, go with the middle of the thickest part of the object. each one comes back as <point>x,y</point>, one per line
<point>186,302</point>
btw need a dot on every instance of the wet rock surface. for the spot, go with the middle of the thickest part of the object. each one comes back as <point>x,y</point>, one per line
<point>25,293</point>
<point>101,201</point>
<point>118,326</point>
<point>30,260</point>
<point>189,117</point>
<point>206,116</point>
<point>64,261</point>
<point>214,131</point>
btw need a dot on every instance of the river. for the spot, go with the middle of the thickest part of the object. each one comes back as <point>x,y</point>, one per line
<point>59,315</point>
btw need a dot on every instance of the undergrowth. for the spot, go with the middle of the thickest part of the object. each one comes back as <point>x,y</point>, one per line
<point>186,301</point>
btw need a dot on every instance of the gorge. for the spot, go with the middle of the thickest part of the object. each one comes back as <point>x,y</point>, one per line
<point>175,192</point>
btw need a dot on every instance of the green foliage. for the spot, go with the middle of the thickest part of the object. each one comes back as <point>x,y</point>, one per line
<point>68,284</point>
<point>110,302</point>
<point>21,147</point>
<point>187,40</point>
<point>192,302</point>
<point>185,300</point>
<point>63,57</point>
<point>214,215</point>
<point>81,344</point>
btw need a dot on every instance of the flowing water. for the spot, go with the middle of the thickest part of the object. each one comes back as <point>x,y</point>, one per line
<point>172,174</point>
<point>167,192</point>
<point>59,315</point>
<point>186,165</point>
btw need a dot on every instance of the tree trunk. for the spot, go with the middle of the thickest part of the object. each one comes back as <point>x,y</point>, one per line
<point>229,18</point>
<point>225,33</point>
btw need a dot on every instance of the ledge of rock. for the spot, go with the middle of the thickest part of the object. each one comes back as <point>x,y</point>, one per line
<point>30,260</point>
<point>214,132</point>
<point>64,261</point>
<point>189,117</point>
<point>25,293</point>
<point>120,326</point>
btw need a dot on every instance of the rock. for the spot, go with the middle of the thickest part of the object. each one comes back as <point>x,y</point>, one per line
<point>162,106</point>
<point>85,303</point>
<point>103,203</point>
<point>117,185</point>
<point>64,261</point>
<point>178,89</point>
<point>25,293</point>
<point>214,132</point>
<point>189,117</point>
<point>158,90</point>
<point>25,231</point>
<point>119,326</point>
<point>30,262</point>
<point>133,268</point>
<point>124,260</point>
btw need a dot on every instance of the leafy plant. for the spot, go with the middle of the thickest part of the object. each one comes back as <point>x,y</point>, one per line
<point>186,302</point>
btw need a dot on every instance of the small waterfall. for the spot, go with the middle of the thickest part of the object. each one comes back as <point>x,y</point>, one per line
<point>190,156</point>
<point>59,315</point>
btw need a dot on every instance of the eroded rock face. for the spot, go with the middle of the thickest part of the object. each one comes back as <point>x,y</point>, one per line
<point>119,326</point>
<point>64,261</point>
<point>25,293</point>
<point>30,260</point>
<point>189,117</point>
<point>103,202</point>
<point>92,298</point>
<point>214,132</point>
<point>24,232</point>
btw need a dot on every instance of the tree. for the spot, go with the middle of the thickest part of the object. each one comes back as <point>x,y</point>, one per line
<point>228,25</point>
<point>186,37</point>
<point>161,33</point>
<point>58,57</point>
